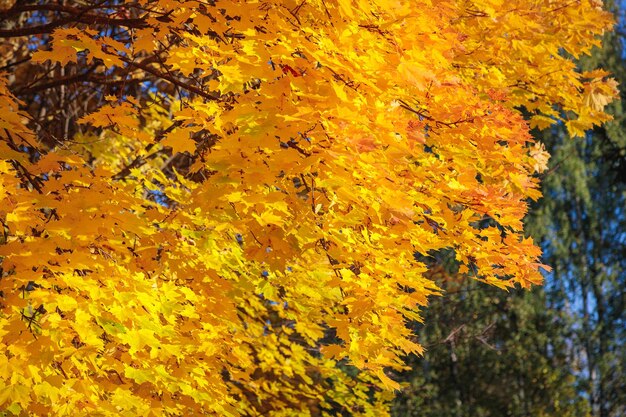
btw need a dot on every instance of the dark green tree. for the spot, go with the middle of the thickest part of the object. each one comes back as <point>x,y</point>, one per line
<point>490,354</point>
<point>559,350</point>
<point>582,222</point>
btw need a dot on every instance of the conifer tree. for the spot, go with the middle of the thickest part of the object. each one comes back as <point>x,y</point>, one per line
<point>560,349</point>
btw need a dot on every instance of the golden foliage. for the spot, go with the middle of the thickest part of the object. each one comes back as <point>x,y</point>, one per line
<point>329,140</point>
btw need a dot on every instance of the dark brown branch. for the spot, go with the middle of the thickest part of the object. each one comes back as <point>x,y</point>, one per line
<point>14,64</point>
<point>136,163</point>
<point>424,116</point>
<point>141,160</point>
<point>32,180</point>
<point>170,78</point>
<point>77,16</point>
<point>25,8</point>
<point>34,30</point>
<point>77,78</point>
<point>69,79</point>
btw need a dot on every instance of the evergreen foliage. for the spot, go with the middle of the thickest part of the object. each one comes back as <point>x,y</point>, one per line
<point>559,350</point>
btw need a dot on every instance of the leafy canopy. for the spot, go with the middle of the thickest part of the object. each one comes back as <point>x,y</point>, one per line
<point>230,205</point>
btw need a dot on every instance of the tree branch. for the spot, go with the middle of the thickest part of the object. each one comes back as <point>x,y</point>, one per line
<point>170,78</point>
<point>76,16</point>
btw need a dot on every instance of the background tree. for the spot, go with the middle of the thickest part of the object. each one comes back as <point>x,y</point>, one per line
<point>560,348</point>
<point>528,373</point>
<point>583,224</point>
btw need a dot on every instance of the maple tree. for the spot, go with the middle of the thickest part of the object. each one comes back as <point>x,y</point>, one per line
<point>214,207</point>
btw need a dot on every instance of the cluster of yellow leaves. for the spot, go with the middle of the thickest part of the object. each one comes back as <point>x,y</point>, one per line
<point>349,136</point>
